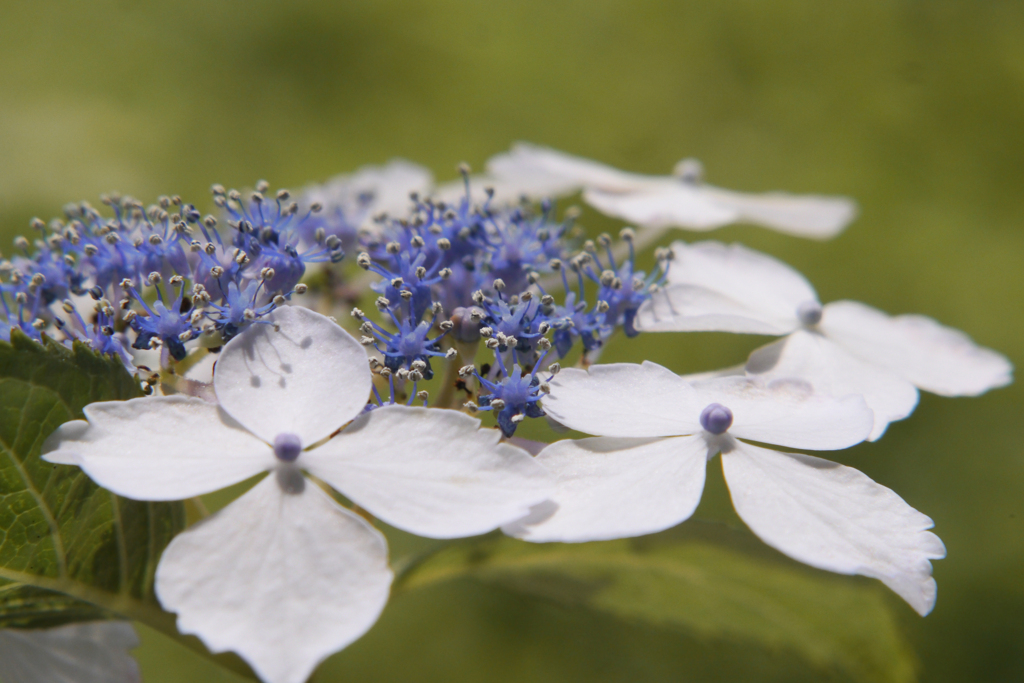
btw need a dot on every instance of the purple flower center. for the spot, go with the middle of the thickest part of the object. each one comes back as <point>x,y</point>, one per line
<point>809,312</point>
<point>287,447</point>
<point>716,418</point>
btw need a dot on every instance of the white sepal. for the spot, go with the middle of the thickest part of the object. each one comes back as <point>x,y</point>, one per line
<point>616,488</point>
<point>308,378</point>
<point>834,517</point>
<point>283,579</point>
<point>163,448</point>
<point>933,357</point>
<point>834,372</point>
<point>431,472</point>
<point>624,399</point>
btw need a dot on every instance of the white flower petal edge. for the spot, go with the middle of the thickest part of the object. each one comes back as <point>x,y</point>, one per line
<point>671,203</point>
<point>431,472</point>
<point>934,357</point>
<point>283,579</point>
<point>624,399</point>
<point>834,517</point>
<point>615,488</point>
<point>164,448</point>
<point>307,379</point>
<point>834,372</point>
<point>730,288</point>
<point>388,185</point>
<point>89,652</point>
<point>788,412</point>
<point>812,216</point>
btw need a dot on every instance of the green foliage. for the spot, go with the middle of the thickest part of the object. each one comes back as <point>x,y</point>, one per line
<point>69,550</point>
<point>710,582</point>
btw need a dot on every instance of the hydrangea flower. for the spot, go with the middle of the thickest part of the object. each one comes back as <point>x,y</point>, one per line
<point>284,575</point>
<point>645,472</point>
<point>679,200</point>
<point>844,347</point>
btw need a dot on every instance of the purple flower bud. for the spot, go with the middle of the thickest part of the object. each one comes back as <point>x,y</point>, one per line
<point>809,312</point>
<point>287,447</point>
<point>716,418</point>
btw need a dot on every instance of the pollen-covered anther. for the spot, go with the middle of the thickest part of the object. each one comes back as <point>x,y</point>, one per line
<point>444,244</point>
<point>446,325</point>
<point>358,314</point>
<point>129,316</point>
<point>492,344</point>
<point>393,248</point>
<point>267,274</point>
<point>470,406</point>
<point>366,341</point>
<point>486,332</point>
<point>716,418</point>
<point>382,303</point>
<point>466,370</point>
<point>555,368</point>
<point>809,312</point>
<point>405,294</point>
<point>301,288</point>
<point>415,376</point>
<point>216,272</point>
<point>498,404</point>
<point>39,324</point>
<point>445,273</point>
<point>602,306</point>
<point>543,344</point>
<point>279,300</point>
<point>517,418</point>
<point>249,314</point>
<point>451,354</point>
<point>287,447</point>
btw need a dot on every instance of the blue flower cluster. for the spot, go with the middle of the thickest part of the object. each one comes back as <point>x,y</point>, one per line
<point>488,269</point>
<point>447,278</point>
<point>159,276</point>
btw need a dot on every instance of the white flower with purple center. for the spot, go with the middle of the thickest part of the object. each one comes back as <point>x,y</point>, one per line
<point>680,200</point>
<point>844,347</point>
<point>646,470</point>
<point>284,575</point>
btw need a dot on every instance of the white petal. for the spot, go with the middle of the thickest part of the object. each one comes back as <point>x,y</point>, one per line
<point>308,379</point>
<point>671,203</point>
<point>801,215</point>
<point>542,172</point>
<point>728,288</point>
<point>389,186</point>
<point>89,652</point>
<point>834,372</point>
<point>430,472</point>
<point>615,488</point>
<point>833,517</point>
<point>283,579</point>
<point>936,358</point>
<point>689,308</point>
<point>788,412</point>
<point>623,399</point>
<point>164,448</point>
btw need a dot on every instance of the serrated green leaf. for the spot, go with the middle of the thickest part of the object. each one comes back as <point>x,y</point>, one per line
<point>61,535</point>
<point>709,581</point>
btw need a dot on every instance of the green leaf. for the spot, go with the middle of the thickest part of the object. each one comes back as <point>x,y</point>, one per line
<point>69,550</point>
<point>705,579</point>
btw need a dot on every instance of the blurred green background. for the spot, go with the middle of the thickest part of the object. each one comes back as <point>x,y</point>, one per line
<point>915,108</point>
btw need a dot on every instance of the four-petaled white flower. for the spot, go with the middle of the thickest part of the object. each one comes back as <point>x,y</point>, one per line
<point>844,347</point>
<point>645,472</point>
<point>680,200</point>
<point>284,575</point>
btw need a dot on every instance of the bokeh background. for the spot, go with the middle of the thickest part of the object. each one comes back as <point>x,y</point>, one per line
<point>913,107</point>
